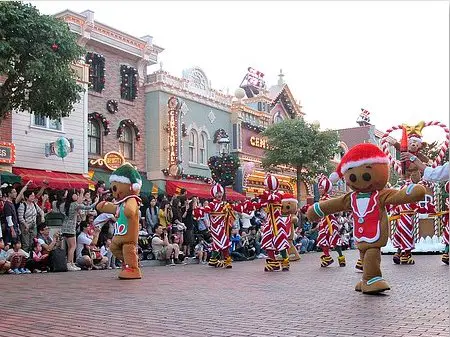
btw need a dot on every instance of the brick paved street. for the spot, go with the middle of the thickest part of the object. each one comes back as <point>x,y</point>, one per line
<point>196,300</point>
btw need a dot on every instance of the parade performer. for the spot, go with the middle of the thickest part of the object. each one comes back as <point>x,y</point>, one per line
<point>289,206</point>
<point>329,236</point>
<point>221,217</point>
<point>273,232</point>
<point>446,226</point>
<point>125,185</point>
<point>403,238</point>
<point>366,171</point>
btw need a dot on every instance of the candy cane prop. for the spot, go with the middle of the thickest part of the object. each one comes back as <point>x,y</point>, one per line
<point>395,163</point>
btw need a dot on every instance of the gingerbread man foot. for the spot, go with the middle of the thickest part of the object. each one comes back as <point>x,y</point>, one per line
<point>374,286</point>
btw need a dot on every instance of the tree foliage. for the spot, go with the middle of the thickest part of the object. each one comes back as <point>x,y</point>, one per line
<point>301,145</point>
<point>36,52</point>
<point>431,150</point>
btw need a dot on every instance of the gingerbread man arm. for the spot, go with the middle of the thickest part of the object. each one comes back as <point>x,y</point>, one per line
<point>327,207</point>
<point>412,193</point>
<point>106,207</point>
<point>423,158</point>
<point>131,207</point>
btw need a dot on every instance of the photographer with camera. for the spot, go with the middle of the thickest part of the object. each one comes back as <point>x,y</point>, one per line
<point>45,240</point>
<point>162,248</point>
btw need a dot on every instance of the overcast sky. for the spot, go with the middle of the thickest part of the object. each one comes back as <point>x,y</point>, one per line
<point>391,58</point>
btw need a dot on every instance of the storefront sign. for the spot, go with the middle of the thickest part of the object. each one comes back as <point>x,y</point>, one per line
<point>259,142</point>
<point>173,131</point>
<point>7,153</point>
<point>112,160</point>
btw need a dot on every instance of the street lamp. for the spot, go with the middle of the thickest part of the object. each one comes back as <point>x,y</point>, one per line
<point>224,145</point>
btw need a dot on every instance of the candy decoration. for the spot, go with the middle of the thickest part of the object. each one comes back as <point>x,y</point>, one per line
<point>437,161</point>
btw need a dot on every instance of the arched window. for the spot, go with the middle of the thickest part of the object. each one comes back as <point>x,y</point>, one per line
<point>203,148</point>
<point>126,143</point>
<point>94,137</point>
<point>193,145</point>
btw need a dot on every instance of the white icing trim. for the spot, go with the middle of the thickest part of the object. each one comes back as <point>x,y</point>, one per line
<point>374,160</point>
<point>119,179</point>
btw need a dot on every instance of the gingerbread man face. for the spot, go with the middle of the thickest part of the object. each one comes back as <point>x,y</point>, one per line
<point>367,177</point>
<point>288,207</point>
<point>121,190</point>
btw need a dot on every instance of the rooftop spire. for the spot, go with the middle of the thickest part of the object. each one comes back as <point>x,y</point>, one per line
<point>280,78</point>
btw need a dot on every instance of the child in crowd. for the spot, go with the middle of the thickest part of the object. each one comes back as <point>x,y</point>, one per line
<point>142,230</point>
<point>5,266</point>
<point>200,253</point>
<point>106,251</point>
<point>18,258</point>
<point>39,261</point>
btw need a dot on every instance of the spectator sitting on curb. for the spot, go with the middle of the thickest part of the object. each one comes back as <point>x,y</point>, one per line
<point>200,252</point>
<point>39,261</point>
<point>18,258</point>
<point>162,248</point>
<point>5,266</point>
<point>88,256</point>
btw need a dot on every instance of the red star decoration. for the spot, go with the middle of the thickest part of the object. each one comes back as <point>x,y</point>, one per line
<point>55,47</point>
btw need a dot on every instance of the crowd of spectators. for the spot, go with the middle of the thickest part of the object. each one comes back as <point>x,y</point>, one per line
<point>172,230</point>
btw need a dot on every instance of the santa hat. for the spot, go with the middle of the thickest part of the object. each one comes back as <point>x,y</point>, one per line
<point>358,155</point>
<point>216,188</point>
<point>325,183</point>
<point>271,182</point>
<point>127,174</point>
<point>288,197</point>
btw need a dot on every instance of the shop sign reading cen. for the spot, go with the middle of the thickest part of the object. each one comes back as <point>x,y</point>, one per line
<point>173,131</point>
<point>259,142</point>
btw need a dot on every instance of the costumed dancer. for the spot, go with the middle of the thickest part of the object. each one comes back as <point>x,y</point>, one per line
<point>329,236</point>
<point>273,233</point>
<point>446,226</point>
<point>125,185</point>
<point>366,171</point>
<point>221,217</point>
<point>403,238</point>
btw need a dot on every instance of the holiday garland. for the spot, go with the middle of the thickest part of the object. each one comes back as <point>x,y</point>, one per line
<point>190,176</point>
<point>128,87</point>
<point>112,106</point>
<point>253,127</point>
<point>96,68</point>
<point>101,119</point>
<point>223,168</point>
<point>220,133</point>
<point>128,122</point>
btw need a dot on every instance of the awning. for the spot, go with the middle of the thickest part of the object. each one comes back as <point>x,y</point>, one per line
<point>173,187</point>
<point>9,178</point>
<point>56,180</point>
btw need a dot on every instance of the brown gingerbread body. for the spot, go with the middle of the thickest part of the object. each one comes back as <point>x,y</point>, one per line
<point>125,239</point>
<point>289,211</point>
<point>412,170</point>
<point>368,181</point>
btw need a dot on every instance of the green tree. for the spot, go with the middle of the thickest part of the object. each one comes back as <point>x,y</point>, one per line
<point>301,145</point>
<point>36,52</point>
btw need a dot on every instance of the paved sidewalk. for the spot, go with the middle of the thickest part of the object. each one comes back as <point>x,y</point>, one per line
<point>196,300</point>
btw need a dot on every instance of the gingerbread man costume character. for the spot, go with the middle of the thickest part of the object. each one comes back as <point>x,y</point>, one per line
<point>329,236</point>
<point>125,185</point>
<point>289,207</point>
<point>366,171</point>
<point>274,237</point>
<point>221,217</point>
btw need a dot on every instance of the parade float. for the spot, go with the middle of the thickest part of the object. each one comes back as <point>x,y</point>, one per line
<point>427,225</point>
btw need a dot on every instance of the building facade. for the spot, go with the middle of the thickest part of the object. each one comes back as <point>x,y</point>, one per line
<point>185,118</point>
<point>35,136</point>
<point>115,107</point>
<point>251,116</point>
